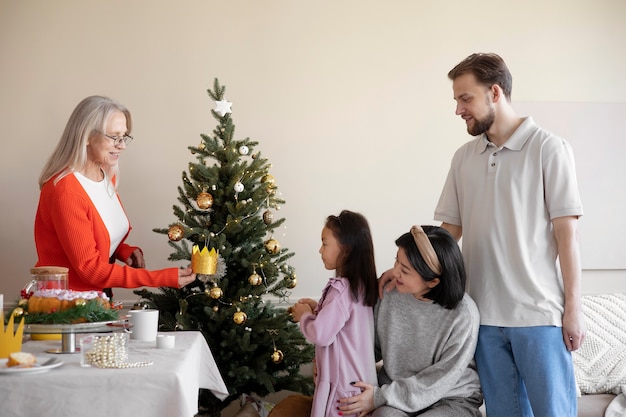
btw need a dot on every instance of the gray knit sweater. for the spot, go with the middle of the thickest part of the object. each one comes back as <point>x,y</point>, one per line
<point>427,351</point>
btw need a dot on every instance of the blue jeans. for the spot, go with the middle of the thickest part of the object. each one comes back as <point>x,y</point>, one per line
<point>526,372</point>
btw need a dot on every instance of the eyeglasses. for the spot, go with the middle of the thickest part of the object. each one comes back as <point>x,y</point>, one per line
<point>117,140</point>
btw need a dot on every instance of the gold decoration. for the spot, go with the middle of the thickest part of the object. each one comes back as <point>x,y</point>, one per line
<point>216,308</point>
<point>10,338</point>
<point>204,200</point>
<point>80,302</point>
<point>255,279</point>
<point>239,317</point>
<point>202,261</point>
<point>215,292</point>
<point>17,312</point>
<point>292,282</point>
<point>269,179</point>
<point>277,356</point>
<point>201,146</point>
<point>176,233</point>
<point>23,302</point>
<point>272,246</point>
<point>268,217</point>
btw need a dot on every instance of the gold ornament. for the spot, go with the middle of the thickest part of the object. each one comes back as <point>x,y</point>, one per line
<point>268,217</point>
<point>255,279</point>
<point>80,302</point>
<point>292,282</point>
<point>201,146</point>
<point>23,302</point>
<point>277,356</point>
<point>11,336</point>
<point>176,233</point>
<point>216,308</point>
<point>215,292</point>
<point>204,200</point>
<point>269,179</point>
<point>272,246</point>
<point>202,261</point>
<point>239,317</point>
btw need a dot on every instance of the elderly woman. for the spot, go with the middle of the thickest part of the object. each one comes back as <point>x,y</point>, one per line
<point>426,334</point>
<point>80,222</point>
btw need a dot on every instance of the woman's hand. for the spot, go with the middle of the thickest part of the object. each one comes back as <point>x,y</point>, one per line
<point>386,282</point>
<point>136,260</point>
<point>360,404</point>
<point>185,277</point>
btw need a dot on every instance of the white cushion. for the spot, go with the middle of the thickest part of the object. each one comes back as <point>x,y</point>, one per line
<point>600,363</point>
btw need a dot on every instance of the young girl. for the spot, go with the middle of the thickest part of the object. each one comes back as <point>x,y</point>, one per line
<point>341,324</point>
<point>426,333</point>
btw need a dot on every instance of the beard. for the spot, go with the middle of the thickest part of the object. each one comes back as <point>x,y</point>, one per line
<point>482,125</point>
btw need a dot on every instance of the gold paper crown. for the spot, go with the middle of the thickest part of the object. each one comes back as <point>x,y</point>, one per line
<point>10,341</point>
<point>202,261</point>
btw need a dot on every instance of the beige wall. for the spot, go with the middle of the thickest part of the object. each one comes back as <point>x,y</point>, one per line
<point>348,99</point>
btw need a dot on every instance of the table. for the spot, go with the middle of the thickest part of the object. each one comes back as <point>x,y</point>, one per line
<point>168,388</point>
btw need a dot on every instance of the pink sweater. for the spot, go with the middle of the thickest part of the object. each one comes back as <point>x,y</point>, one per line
<point>342,330</point>
<point>69,232</point>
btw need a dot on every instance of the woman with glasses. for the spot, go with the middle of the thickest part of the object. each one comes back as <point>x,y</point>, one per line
<point>80,222</point>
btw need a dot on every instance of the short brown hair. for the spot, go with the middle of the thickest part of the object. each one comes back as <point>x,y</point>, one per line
<point>488,68</point>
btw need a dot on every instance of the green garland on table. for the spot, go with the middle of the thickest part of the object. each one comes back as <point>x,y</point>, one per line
<point>90,312</point>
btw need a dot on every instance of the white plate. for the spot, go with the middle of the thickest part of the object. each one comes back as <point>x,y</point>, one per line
<point>42,365</point>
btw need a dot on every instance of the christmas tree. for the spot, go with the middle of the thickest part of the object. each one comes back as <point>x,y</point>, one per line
<point>226,219</point>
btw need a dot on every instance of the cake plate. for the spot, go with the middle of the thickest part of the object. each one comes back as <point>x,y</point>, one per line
<point>69,331</point>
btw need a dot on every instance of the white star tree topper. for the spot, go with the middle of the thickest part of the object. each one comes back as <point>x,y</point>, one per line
<point>222,107</point>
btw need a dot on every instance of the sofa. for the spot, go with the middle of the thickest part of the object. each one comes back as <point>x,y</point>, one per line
<point>600,363</point>
<point>599,366</point>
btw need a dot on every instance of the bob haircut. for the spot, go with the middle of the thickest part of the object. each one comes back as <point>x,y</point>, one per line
<point>489,69</point>
<point>451,288</point>
<point>356,259</point>
<point>88,119</point>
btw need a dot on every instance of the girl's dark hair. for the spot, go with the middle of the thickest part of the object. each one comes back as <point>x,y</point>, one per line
<point>356,260</point>
<point>489,69</point>
<point>451,288</point>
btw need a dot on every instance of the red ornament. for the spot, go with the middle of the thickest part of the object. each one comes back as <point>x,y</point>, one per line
<point>26,295</point>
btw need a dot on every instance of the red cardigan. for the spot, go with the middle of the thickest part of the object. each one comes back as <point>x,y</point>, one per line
<point>69,232</point>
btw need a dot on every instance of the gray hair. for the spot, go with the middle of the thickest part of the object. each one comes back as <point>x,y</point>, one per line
<point>88,118</point>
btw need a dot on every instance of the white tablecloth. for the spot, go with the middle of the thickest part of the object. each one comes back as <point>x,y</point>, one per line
<point>168,388</point>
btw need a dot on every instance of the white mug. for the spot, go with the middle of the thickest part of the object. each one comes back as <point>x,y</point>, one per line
<point>144,324</point>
